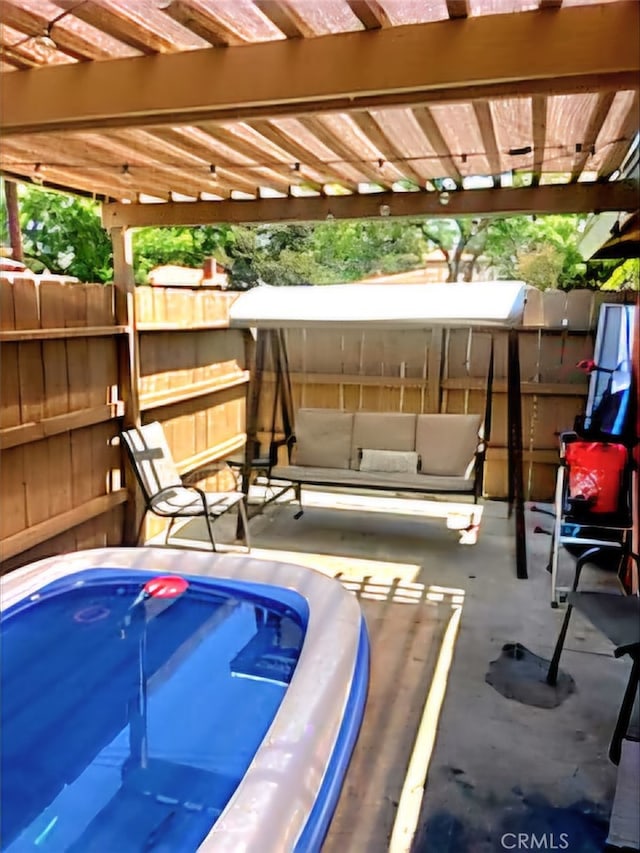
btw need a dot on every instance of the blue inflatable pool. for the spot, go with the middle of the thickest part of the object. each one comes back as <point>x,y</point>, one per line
<point>163,700</point>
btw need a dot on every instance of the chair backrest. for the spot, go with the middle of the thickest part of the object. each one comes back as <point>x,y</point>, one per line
<point>151,459</point>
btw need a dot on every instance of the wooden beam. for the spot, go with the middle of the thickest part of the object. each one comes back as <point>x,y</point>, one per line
<point>285,18</point>
<point>343,150</point>
<point>203,23</point>
<point>81,44</point>
<point>387,148</point>
<point>598,117</point>
<point>539,134</point>
<point>618,150</point>
<point>181,394</point>
<point>370,13</point>
<point>32,536</point>
<point>13,220</point>
<point>34,431</point>
<point>488,54</point>
<point>62,333</point>
<point>429,127</point>
<point>488,134</point>
<point>458,8</point>
<point>571,198</point>
<point>333,173</point>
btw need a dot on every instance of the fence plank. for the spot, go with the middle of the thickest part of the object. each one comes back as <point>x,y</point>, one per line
<point>9,386</point>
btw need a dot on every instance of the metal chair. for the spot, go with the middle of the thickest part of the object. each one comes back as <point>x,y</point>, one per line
<point>164,492</point>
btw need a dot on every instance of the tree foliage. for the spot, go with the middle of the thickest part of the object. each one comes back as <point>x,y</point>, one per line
<point>63,234</point>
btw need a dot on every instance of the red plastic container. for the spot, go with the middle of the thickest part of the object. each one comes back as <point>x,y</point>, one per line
<point>596,473</point>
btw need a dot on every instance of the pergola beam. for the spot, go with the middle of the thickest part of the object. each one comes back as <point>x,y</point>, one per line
<point>574,198</point>
<point>473,57</point>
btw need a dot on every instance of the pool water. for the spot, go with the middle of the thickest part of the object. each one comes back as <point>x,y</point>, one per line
<point>128,722</point>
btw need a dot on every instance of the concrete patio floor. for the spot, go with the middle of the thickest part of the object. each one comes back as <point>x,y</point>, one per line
<point>498,768</point>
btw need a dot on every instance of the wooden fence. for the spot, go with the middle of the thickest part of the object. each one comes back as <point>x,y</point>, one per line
<point>71,376</point>
<point>59,466</point>
<point>64,366</point>
<point>193,379</point>
<point>445,370</point>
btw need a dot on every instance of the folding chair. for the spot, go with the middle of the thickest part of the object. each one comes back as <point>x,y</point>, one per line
<point>618,618</point>
<point>165,494</point>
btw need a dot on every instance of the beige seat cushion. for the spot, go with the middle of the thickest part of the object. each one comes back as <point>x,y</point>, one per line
<point>447,444</point>
<point>382,431</point>
<point>323,438</point>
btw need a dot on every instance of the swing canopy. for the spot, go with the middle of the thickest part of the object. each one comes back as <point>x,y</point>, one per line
<point>485,303</point>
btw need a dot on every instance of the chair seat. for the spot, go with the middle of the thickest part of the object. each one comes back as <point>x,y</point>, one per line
<point>185,502</point>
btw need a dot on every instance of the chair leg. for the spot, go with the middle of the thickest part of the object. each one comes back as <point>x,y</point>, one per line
<point>168,533</point>
<point>298,493</point>
<point>140,528</point>
<point>626,709</point>
<point>552,674</point>
<point>207,518</point>
<point>242,513</point>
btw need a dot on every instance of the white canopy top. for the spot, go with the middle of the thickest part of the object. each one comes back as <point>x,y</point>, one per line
<point>484,303</point>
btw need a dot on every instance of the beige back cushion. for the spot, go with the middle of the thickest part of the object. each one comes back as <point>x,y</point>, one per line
<point>446,444</point>
<point>382,431</point>
<point>323,438</point>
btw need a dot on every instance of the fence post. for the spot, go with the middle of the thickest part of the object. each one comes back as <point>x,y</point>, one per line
<point>128,365</point>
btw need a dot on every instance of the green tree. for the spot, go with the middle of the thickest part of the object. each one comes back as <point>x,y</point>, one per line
<point>63,235</point>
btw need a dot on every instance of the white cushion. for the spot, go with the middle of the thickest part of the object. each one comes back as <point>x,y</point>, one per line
<point>391,461</point>
<point>323,438</point>
<point>447,444</point>
<point>382,431</point>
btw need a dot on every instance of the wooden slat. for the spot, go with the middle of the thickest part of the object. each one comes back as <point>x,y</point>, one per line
<point>618,151</point>
<point>9,387</point>
<point>285,17</point>
<point>429,127</point>
<point>198,19</point>
<point>131,27</point>
<point>48,426</point>
<point>370,13</point>
<point>487,131</point>
<point>71,332</point>
<point>539,135</point>
<point>268,176</point>
<point>561,389</point>
<point>332,173</point>
<point>198,389</point>
<point>37,482</point>
<point>32,536</point>
<point>60,473</point>
<point>269,166</point>
<point>212,454</point>
<point>343,150</point>
<point>386,146</point>
<point>12,494</point>
<point>597,119</point>
<point>176,327</point>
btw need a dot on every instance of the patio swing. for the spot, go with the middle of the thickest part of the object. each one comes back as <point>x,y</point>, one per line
<point>485,306</point>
